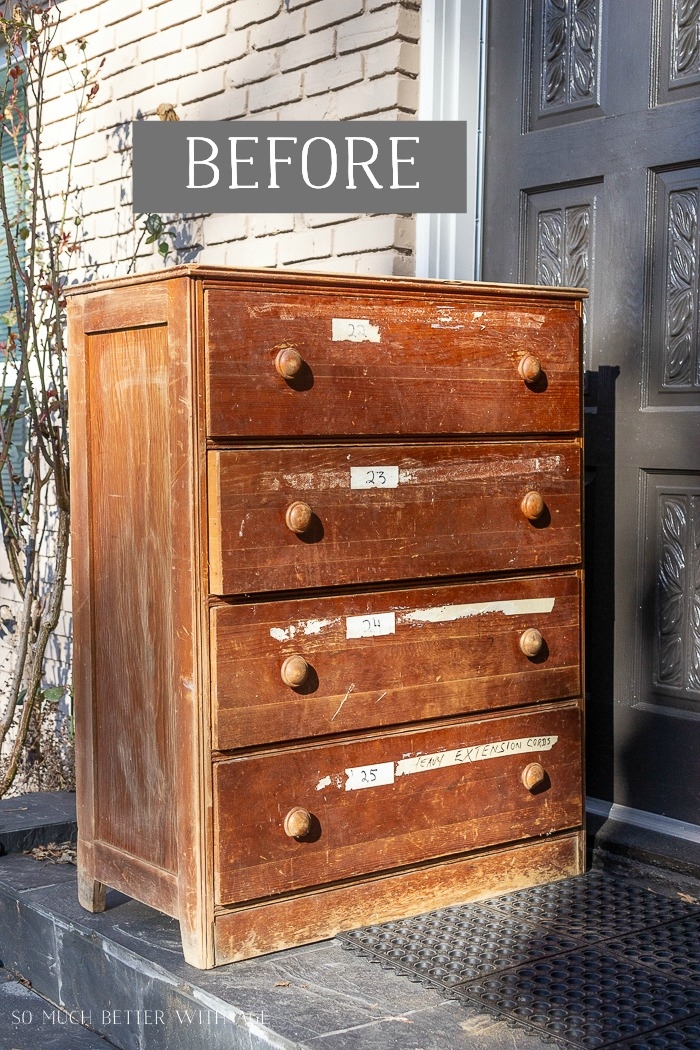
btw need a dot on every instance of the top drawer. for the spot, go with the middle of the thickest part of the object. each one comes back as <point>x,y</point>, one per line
<point>399,364</point>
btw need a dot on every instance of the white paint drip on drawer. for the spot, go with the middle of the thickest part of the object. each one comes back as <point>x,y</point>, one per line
<point>371,626</point>
<point>525,320</point>
<point>474,753</point>
<point>374,477</point>
<point>374,625</point>
<point>455,470</point>
<point>354,330</point>
<point>446,320</point>
<point>446,613</point>
<point>383,773</point>
<point>443,472</point>
<point>306,627</point>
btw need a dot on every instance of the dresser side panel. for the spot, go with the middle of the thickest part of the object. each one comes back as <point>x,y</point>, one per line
<point>128,408</point>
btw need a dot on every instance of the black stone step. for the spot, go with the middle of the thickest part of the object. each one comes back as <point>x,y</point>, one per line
<point>36,820</point>
<point>27,1022</point>
<point>125,969</point>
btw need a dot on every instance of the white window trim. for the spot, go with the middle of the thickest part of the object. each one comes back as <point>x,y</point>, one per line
<point>452,87</point>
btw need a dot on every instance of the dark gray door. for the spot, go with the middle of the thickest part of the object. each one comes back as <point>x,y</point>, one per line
<point>593,178</point>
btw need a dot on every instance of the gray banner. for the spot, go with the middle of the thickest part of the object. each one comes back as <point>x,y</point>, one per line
<point>300,166</point>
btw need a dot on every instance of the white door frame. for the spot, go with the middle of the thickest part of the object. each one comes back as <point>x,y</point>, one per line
<point>452,87</point>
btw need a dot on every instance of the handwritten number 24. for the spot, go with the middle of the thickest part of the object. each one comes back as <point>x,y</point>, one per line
<point>370,623</point>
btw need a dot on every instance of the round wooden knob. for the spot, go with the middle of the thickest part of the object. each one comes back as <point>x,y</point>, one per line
<point>289,362</point>
<point>298,516</point>
<point>294,671</point>
<point>531,776</point>
<point>297,823</point>
<point>532,506</point>
<point>531,641</point>
<point>529,368</point>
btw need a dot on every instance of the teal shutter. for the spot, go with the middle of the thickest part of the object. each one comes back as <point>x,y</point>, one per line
<point>8,160</point>
<point>7,156</point>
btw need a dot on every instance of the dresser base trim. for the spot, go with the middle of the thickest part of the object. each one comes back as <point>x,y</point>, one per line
<point>130,875</point>
<point>288,923</point>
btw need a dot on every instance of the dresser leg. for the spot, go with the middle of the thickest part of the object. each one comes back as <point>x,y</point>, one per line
<point>197,945</point>
<point>91,894</point>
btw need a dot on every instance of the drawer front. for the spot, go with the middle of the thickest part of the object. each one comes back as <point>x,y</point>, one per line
<point>294,669</point>
<point>388,365</point>
<point>388,513</point>
<point>379,803</point>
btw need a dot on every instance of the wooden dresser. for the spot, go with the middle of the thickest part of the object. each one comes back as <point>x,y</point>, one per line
<point>327,597</point>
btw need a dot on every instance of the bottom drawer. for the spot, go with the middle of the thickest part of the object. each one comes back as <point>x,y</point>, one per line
<point>315,815</point>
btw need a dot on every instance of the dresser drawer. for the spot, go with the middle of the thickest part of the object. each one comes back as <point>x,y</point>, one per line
<point>388,364</point>
<point>388,513</point>
<point>378,803</point>
<point>303,668</point>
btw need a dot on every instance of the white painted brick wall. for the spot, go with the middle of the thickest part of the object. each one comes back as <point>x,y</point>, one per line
<point>334,74</point>
<point>328,14</point>
<point>278,31</point>
<point>228,60</point>
<point>315,47</point>
<point>141,26</point>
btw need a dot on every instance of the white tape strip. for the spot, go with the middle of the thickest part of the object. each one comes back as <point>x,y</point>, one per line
<point>475,753</point>
<point>360,777</point>
<point>371,626</point>
<point>354,330</point>
<point>369,776</point>
<point>374,477</point>
<point>444,613</point>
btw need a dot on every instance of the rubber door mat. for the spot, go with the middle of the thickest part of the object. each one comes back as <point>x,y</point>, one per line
<point>593,961</point>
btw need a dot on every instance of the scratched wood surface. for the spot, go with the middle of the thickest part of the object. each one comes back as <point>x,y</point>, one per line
<point>455,510</point>
<point>446,364</point>
<point>427,652</point>
<point>131,599</point>
<point>363,825</point>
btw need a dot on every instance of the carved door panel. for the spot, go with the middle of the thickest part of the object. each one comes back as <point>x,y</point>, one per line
<point>593,178</point>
